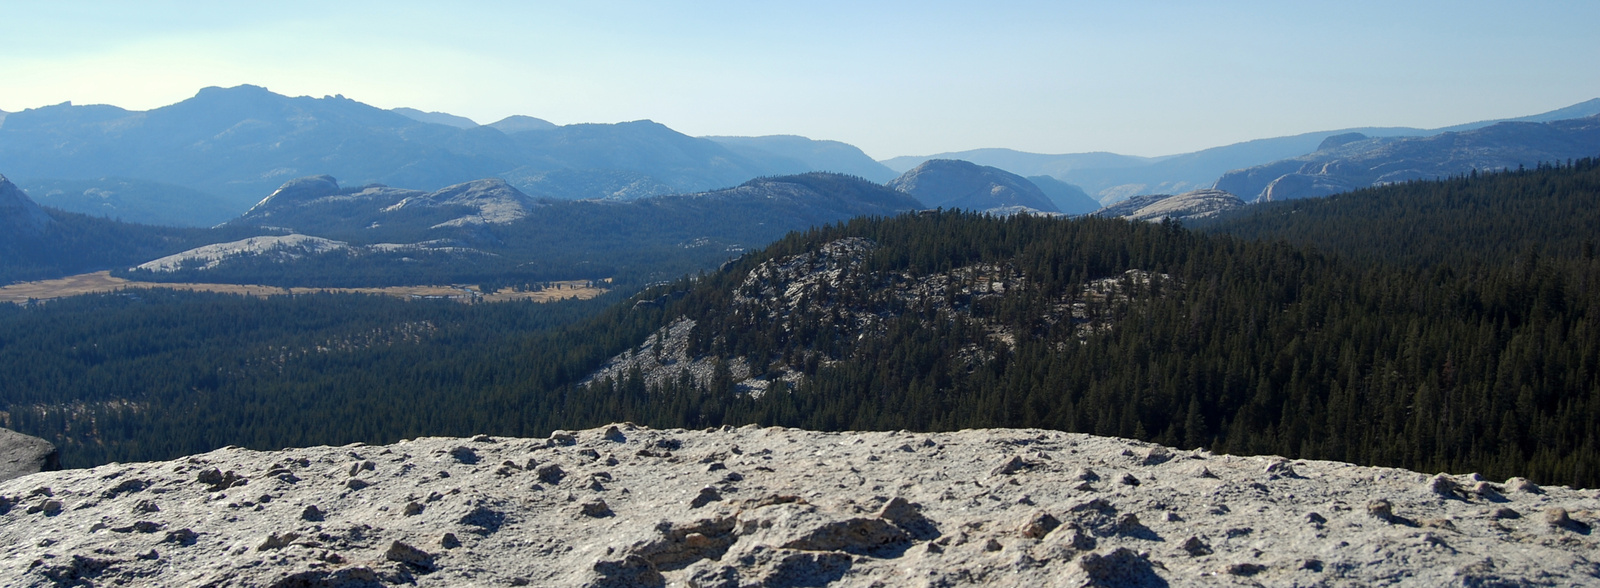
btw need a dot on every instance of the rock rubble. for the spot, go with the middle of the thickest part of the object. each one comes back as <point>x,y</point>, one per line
<point>734,507</point>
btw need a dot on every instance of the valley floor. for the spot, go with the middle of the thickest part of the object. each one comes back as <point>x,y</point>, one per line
<point>100,282</point>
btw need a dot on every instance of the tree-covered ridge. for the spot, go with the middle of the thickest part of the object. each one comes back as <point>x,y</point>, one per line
<point>1491,218</point>
<point>77,243</point>
<point>1267,348</point>
<point>1246,347</point>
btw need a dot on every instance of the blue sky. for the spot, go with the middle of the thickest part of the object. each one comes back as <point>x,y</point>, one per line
<point>894,78</point>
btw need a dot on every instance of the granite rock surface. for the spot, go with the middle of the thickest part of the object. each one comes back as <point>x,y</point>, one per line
<point>629,506</point>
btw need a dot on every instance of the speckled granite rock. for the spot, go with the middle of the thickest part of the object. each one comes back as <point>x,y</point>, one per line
<point>628,506</point>
<point>21,455</point>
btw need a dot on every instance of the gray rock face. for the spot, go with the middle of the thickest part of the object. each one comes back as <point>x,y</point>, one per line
<point>643,507</point>
<point>953,183</point>
<point>318,202</point>
<point>18,212</point>
<point>1197,204</point>
<point>280,249</point>
<point>300,190</point>
<point>21,455</point>
<point>807,290</point>
<point>495,202</point>
<point>1350,161</point>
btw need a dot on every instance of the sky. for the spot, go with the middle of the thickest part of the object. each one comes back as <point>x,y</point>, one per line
<point>893,78</point>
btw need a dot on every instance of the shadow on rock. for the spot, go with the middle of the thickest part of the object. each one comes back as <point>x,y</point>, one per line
<point>1119,568</point>
<point>483,520</point>
<point>808,569</point>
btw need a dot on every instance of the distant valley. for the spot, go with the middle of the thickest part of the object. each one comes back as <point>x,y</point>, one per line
<point>743,286</point>
<point>314,232</point>
<point>1379,326</point>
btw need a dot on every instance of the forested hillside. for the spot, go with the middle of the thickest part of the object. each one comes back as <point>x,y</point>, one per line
<point>1492,218</point>
<point>1248,348</point>
<point>1478,358</point>
<point>76,243</point>
<point>154,374</point>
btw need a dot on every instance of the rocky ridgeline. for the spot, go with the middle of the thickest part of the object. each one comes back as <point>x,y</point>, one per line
<point>828,288</point>
<point>629,506</point>
<point>1192,205</point>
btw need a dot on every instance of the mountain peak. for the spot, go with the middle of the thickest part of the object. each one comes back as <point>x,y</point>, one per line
<point>955,183</point>
<point>18,212</point>
<point>517,123</point>
<point>299,190</point>
<point>239,89</point>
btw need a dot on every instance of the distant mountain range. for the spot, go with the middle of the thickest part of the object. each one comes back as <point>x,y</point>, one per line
<point>205,160</point>
<point>1350,161</point>
<point>233,144</point>
<point>132,200</point>
<point>1109,177</point>
<point>314,232</point>
<point>814,155</point>
<point>39,243</point>
<point>438,118</point>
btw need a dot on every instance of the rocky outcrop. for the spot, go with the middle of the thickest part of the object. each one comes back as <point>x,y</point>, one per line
<point>284,249</point>
<point>21,455</point>
<point>19,214</point>
<point>828,288</point>
<point>279,249</point>
<point>1197,204</point>
<point>953,183</point>
<point>1351,161</point>
<point>494,201</point>
<point>630,506</point>
<point>312,202</point>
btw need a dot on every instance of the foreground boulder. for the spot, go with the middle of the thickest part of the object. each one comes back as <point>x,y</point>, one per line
<point>21,455</point>
<point>783,507</point>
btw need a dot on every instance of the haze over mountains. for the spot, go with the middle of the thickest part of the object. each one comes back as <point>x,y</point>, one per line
<point>1109,177</point>
<point>237,143</point>
<point>205,160</point>
<point>952,183</point>
<point>1349,161</point>
<point>313,231</point>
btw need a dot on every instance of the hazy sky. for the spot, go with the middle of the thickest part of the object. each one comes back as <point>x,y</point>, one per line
<point>894,78</point>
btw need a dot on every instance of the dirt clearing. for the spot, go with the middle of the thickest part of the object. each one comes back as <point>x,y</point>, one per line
<point>105,282</point>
